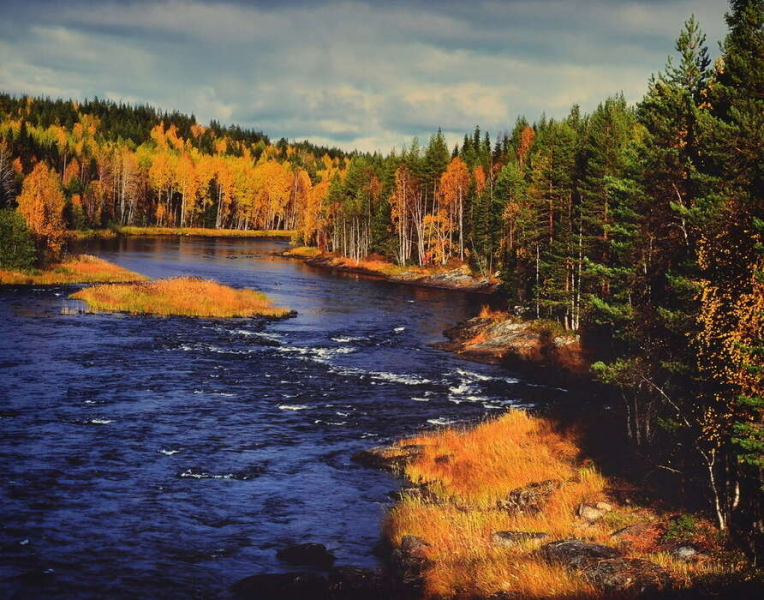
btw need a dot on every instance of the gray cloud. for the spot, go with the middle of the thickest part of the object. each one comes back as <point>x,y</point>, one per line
<point>355,74</point>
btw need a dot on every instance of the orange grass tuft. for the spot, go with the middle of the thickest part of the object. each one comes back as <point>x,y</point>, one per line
<point>486,312</point>
<point>183,296</point>
<point>484,463</point>
<point>81,268</point>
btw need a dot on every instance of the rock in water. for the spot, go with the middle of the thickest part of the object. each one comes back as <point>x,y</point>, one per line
<point>281,586</point>
<point>393,458</point>
<point>529,499</point>
<point>576,554</point>
<point>354,583</point>
<point>309,555</point>
<point>510,539</point>
<point>631,574</point>
<point>409,561</point>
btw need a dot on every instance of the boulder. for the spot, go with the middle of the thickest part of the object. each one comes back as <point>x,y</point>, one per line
<point>387,458</point>
<point>281,586</point>
<point>510,539</point>
<point>309,555</point>
<point>632,574</point>
<point>685,552</point>
<point>409,561</point>
<point>604,507</point>
<point>589,513</point>
<point>576,554</point>
<point>529,499</point>
<point>352,583</point>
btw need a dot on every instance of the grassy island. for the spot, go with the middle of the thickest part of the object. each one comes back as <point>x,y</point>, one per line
<point>81,268</point>
<point>488,498</point>
<point>182,296</point>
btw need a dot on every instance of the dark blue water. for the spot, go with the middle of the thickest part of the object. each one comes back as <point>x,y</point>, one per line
<point>169,457</point>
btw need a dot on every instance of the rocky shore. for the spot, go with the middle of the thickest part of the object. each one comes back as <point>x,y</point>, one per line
<point>536,345</point>
<point>599,545</point>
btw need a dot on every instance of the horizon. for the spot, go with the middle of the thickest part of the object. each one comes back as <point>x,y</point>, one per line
<point>410,69</point>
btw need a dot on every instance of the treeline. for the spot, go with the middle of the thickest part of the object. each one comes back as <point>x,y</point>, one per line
<point>133,165</point>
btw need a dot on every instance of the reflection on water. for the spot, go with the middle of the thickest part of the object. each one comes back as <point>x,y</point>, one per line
<point>150,457</point>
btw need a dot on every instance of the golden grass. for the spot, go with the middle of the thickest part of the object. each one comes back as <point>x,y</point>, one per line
<point>81,268</point>
<point>199,231</point>
<point>372,264</point>
<point>486,312</point>
<point>303,252</point>
<point>382,267</point>
<point>183,296</point>
<point>90,234</point>
<point>484,464</point>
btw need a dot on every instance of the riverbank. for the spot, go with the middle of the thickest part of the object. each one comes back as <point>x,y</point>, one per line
<point>440,276</point>
<point>510,508</point>
<point>79,268</point>
<point>89,234</point>
<point>538,345</point>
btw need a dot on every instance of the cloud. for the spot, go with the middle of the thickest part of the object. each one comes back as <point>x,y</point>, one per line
<point>355,74</point>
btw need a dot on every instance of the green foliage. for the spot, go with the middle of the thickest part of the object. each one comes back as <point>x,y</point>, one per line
<point>683,528</point>
<point>17,249</point>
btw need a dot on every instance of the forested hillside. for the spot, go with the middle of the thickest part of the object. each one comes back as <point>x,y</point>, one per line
<point>638,226</point>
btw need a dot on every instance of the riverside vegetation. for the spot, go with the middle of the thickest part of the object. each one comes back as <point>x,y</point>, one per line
<point>85,234</point>
<point>182,296</point>
<point>80,268</point>
<point>511,506</point>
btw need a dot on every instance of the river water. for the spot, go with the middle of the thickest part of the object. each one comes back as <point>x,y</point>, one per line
<point>170,457</point>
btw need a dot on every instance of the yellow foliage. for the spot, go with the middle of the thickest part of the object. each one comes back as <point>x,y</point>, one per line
<point>41,203</point>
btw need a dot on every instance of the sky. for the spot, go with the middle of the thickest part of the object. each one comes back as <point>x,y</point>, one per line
<point>357,75</point>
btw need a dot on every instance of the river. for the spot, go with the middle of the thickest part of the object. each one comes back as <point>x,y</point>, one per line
<point>170,457</point>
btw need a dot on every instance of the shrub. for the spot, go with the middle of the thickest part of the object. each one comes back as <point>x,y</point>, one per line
<point>682,528</point>
<point>17,249</point>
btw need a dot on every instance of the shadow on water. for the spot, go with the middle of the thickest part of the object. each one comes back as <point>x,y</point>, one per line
<point>149,457</point>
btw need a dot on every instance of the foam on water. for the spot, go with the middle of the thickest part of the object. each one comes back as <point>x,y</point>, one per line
<point>293,407</point>
<point>346,339</point>
<point>441,421</point>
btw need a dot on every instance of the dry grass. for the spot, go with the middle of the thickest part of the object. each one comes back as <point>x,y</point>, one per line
<point>382,267</point>
<point>81,268</point>
<point>303,252</point>
<point>183,296</point>
<point>376,264</point>
<point>199,231</point>
<point>484,464</point>
<point>91,234</point>
<point>486,312</point>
